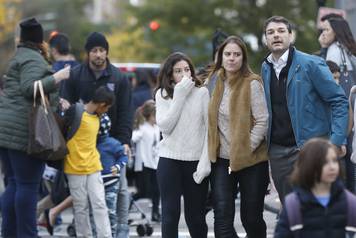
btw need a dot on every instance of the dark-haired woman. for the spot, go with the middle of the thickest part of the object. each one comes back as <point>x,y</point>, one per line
<point>321,194</point>
<point>237,128</point>
<point>24,172</point>
<point>181,115</point>
<point>337,35</point>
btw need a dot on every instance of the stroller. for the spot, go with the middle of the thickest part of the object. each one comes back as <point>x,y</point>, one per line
<point>143,224</point>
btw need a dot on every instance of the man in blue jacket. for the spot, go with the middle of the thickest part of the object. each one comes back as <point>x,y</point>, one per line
<point>81,85</point>
<point>303,102</point>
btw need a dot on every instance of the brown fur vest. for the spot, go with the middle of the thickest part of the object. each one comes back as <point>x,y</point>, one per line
<point>241,123</point>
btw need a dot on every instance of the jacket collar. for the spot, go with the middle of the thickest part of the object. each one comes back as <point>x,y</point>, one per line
<point>24,45</point>
<point>307,196</point>
<point>291,52</point>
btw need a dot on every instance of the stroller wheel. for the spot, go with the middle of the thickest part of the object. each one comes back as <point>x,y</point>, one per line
<point>71,231</point>
<point>149,230</point>
<point>141,230</point>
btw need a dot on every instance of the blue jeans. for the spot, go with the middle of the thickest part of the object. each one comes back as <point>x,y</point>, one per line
<point>19,200</point>
<point>111,203</point>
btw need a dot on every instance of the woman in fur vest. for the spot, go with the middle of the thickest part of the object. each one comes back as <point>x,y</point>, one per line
<point>237,149</point>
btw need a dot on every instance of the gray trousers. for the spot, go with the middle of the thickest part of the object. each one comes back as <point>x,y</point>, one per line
<point>81,188</point>
<point>123,204</point>
<point>282,161</point>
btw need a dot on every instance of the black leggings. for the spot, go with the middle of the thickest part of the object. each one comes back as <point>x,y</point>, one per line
<point>175,178</point>
<point>253,182</point>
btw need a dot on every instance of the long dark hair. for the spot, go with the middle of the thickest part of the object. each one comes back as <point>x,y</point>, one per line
<point>245,69</point>
<point>309,166</point>
<point>343,33</point>
<point>165,76</point>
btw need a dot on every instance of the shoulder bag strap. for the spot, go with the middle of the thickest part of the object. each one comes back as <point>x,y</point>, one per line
<point>351,211</point>
<point>294,214</point>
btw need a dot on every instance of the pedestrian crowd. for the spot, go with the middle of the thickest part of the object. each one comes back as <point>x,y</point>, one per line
<point>203,134</point>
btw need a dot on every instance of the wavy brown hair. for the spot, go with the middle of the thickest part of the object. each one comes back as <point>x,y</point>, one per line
<point>245,69</point>
<point>165,76</point>
<point>144,112</point>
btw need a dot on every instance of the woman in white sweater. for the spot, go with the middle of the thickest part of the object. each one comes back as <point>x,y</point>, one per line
<point>181,114</point>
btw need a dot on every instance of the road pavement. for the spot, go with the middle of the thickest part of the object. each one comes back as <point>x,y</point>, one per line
<point>144,204</point>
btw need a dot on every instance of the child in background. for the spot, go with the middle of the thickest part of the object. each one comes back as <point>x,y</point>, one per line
<point>146,136</point>
<point>113,159</point>
<point>321,194</point>
<point>335,70</point>
<point>82,167</point>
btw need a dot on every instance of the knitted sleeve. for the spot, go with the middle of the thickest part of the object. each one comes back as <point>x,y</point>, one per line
<point>259,113</point>
<point>168,112</point>
<point>205,106</point>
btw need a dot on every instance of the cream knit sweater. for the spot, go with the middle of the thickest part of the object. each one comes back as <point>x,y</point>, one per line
<point>183,122</point>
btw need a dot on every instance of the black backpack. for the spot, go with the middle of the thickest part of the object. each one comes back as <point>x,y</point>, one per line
<point>292,206</point>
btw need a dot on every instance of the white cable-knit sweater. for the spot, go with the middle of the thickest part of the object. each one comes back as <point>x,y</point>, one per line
<point>183,123</point>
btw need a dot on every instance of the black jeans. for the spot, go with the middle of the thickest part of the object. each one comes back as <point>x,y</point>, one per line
<point>175,178</point>
<point>253,182</point>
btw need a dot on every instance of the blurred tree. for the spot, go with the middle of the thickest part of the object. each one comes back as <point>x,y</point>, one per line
<point>10,14</point>
<point>128,46</point>
<point>66,16</point>
<point>189,25</point>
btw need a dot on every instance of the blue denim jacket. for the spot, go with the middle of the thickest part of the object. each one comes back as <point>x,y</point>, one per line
<point>316,104</point>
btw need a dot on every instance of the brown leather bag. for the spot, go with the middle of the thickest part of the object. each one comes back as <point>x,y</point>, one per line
<point>46,141</point>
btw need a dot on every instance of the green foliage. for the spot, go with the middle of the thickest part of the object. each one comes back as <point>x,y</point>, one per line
<point>64,16</point>
<point>188,26</point>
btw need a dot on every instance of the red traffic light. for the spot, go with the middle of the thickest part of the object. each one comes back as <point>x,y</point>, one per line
<point>53,34</point>
<point>154,25</point>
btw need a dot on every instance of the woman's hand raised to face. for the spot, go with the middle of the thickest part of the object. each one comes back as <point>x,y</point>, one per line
<point>184,87</point>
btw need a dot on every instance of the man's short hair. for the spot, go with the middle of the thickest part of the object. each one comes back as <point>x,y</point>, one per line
<point>60,42</point>
<point>278,19</point>
<point>104,94</point>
